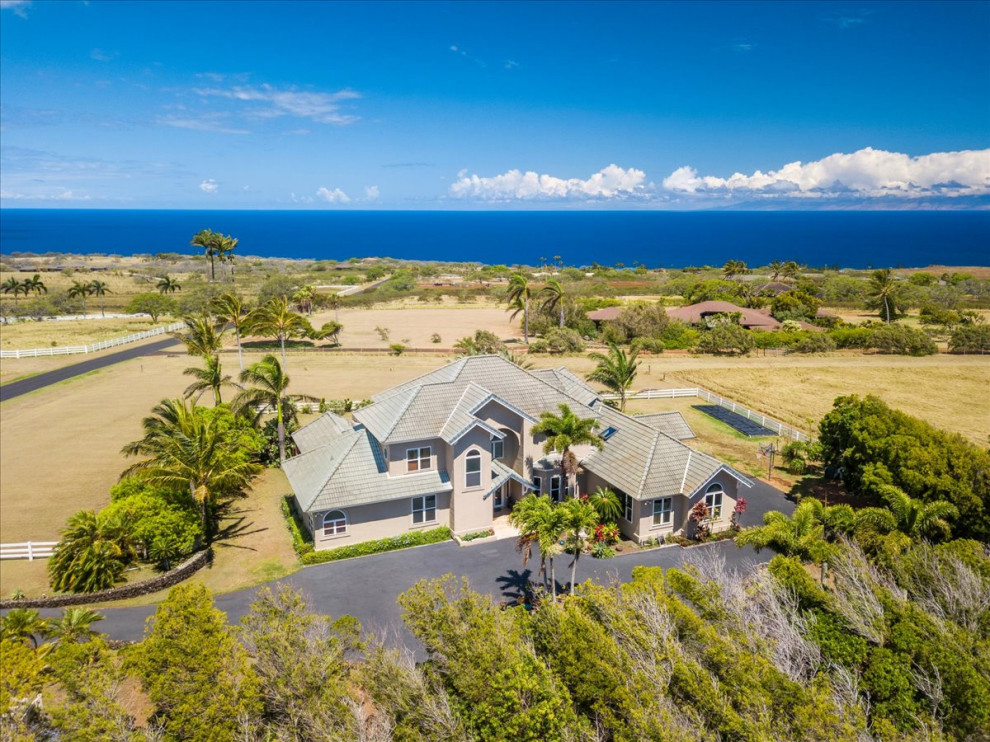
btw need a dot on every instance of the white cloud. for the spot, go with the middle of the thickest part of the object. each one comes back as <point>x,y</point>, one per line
<point>18,6</point>
<point>209,186</point>
<point>207,122</point>
<point>336,196</point>
<point>101,55</point>
<point>371,193</point>
<point>63,195</point>
<point>323,108</point>
<point>609,182</point>
<point>868,172</point>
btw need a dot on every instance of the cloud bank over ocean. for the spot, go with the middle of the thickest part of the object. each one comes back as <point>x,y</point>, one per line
<point>867,175</point>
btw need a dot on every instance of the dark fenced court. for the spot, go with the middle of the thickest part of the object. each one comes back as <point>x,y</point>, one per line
<point>735,420</point>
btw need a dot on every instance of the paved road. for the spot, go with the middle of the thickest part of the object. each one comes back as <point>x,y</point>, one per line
<point>33,383</point>
<point>367,587</point>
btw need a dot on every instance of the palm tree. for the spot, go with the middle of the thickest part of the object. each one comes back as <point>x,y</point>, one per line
<point>517,359</point>
<point>92,554</point>
<point>208,240</point>
<point>553,299</point>
<point>580,519</point>
<point>910,516</point>
<point>75,624</point>
<point>229,309</point>
<point>564,431</point>
<point>304,299</point>
<point>775,268</point>
<point>616,371</point>
<point>334,303</point>
<point>540,523</point>
<point>225,246</point>
<point>80,290</point>
<point>12,286</point>
<point>790,269</point>
<point>275,318</point>
<point>202,336</point>
<point>22,624</point>
<point>34,285</point>
<point>185,446</point>
<point>268,393</point>
<point>884,295</point>
<point>209,377</point>
<point>518,298</point>
<point>100,289</point>
<point>606,504</point>
<point>167,285</point>
<point>805,534</point>
<point>734,268</point>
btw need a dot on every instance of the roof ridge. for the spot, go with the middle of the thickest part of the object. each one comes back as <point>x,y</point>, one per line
<point>649,461</point>
<point>451,364</point>
<point>334,465</point>
<point>457,405</point>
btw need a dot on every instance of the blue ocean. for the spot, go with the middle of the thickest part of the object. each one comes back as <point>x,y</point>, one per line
<point>854,239</point>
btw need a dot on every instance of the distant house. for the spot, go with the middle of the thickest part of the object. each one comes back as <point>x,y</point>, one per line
<point>697,314</point>
<point>774,288</point>
<point>455,448</point>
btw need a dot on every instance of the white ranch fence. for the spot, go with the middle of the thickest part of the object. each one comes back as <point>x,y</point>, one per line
<point>29,550</point>
<point>94,347</point>
<point>785,431</point>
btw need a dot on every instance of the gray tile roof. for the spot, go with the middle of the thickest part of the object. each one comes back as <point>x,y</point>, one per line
<point>568,383</point>
<point>438,404</point>
<point>322,431</point>
<point>646,463</point>
<point>671,423</point>
<point>351,471</point>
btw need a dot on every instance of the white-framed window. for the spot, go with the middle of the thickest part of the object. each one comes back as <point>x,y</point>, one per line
<point>419,459</point>
<point>334,523</point>
<point>713,500</point>
<point>498,448</point>
<point>472,469</point>
<point>662,511</point>
<point>555,488</point>
<point>627,507</point>
<point>424,509</point>
<point>538,485</point>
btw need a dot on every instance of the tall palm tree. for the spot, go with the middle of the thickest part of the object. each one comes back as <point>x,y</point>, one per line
<point>304,299</point>
<point>884,295</point>
<point>76,624</point>
<point>80,290</point>
<point>733,268</point>
<point>34,285</point>
<point>775,268</point>
<point>208,240</point>
<point>541,523</point>
<point>167,285</point>
<point>23,624</point>
<point>553,299</point>
<point>100,289</point>
<point>275,318</point>
<point>229,309</point>
<point>615,371</point>
<point>912,517</point>
<point>12,286</point>
<point>225,246</point>
<point>518,298</point>
<point>202,336</point>
<point>211,377</point>
<point>92,554</point>
<point>185,447</point>
<point>268,393</point>
<point>564,431</point>
<point>580,519</point>
<point>790,269</point>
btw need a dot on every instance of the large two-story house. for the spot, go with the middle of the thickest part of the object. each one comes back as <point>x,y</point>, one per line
<point>455,447</point>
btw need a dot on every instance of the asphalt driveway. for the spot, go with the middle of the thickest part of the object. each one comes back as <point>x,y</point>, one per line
<point>367,587</point>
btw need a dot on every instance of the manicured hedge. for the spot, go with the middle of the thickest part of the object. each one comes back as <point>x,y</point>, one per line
<point>415,538</point>
<point>301,540</point>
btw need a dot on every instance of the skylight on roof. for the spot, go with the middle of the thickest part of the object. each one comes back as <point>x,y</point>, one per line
<point>608,432</point>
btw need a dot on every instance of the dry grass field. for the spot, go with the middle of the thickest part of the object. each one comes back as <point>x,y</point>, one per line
<point>31,334</point>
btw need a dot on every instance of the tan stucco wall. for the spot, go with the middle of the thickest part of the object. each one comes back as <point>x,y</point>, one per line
<point>730,485</point>
<point>376,521</point>
<point>397,455</point>
<point>511,424</point>
<point>471,510</point>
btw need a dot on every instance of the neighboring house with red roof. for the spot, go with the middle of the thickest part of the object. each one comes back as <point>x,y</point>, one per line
<point>697,314</point>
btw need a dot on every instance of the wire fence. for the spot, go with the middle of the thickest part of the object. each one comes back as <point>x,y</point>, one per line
<point>93,347</point>
<point>783,430</point>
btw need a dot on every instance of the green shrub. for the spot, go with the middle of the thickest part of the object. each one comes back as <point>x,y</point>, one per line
<point>814,342</point>
<point>414,538</point>
<point>478,534</point>
<point>563,340</point>
<point>302,542</point>
<point>396,349</point>
<point>902,340</point>
<point>726,338</point>
<point>970,339</point>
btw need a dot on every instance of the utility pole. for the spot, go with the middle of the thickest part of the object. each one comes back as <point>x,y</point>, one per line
<point>769,450</point>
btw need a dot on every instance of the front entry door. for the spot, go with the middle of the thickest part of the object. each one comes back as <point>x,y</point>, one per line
<point>499,500</point>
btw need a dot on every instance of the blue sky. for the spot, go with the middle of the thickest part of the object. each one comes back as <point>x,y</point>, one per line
<point>501,105</point>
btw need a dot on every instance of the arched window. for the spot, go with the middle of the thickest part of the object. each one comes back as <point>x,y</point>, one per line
<point>713,500</point>
<point>334,523</point>
<point>472,469</point>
